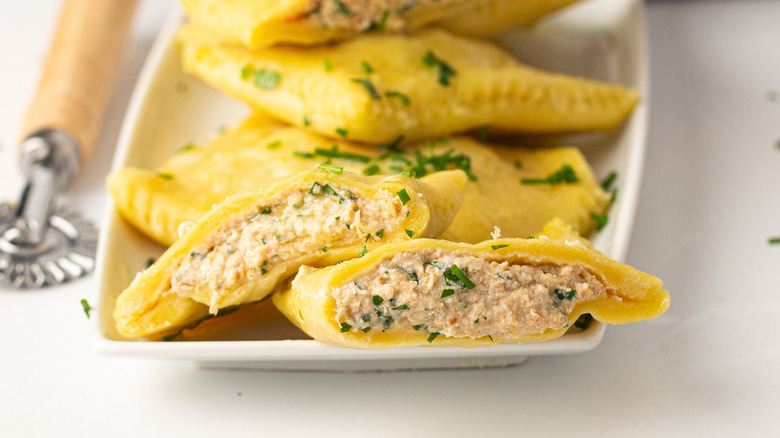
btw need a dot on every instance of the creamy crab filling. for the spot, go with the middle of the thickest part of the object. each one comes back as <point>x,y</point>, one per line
<point>463,296</point>
<point>361,15</point>
<point>298,223</point>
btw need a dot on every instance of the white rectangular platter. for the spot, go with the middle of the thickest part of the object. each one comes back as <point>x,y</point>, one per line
<point>603,39</point>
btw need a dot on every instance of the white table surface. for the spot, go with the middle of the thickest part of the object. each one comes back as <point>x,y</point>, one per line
<point>710,366</point>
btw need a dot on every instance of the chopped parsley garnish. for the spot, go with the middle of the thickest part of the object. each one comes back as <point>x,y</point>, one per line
<point>583,321</point>
<point>341,131</point>
<point>380,25</point>
<point>338,170</point>
<point>266,210</point>
<point>341,8</point>
<point>345,327</point>
<point>462,277</point>
<point>518,164</point>
<point>274,144</point>
<point>377,300</point>
<point>246,71</point>
<point>197,254</point>
<point>186,147</point>
<point>403,97</point>
<point>447,292</point>
<point>302,154</point>
<point>432,336</point>
<point>565,174</point>
<point>403,196</point>
<point>306,121</point>
<point>334,152</point>
<point>165,175</point>
<point>149,262</point>
<point>380,233</point>
<point>498,246</point>
<point>445,70</point>
<point>324,249</point>
<point>85,305</point>
<point>774,240</point>
<point>411,274</point>
<point>503,277</point>
<point>606,184</point>
<point>419,327</point>
<point>371,170</point>
<point>441,162</point>
<point>369,86</point>
<point>476,321</point>
<point>406,7</point>
<point>367,67</point>
<point>601,220</point>
<point>483,134</point>
<point>316,189</point>
<point>266,79</point>
<point>409,233</point>
<point>327,65</point>
<point>401,307</point>
<point>564,295</point>
<point>363,251</point>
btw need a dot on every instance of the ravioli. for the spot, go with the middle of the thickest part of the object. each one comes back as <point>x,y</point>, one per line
<point>495,16</point>
<point>240,250</point>
<point>261,23</point>
<point>438,293</point>
<point>260,151</point>
<point>379,87</point>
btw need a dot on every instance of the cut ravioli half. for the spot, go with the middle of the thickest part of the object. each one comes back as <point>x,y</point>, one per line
<point>261,23</point>
<point>426,85</point>
<point>437,293</point>
<point>240,250</point>
<point>260,151</point>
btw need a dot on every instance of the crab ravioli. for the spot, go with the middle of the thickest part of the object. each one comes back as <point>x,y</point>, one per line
<point>240,250</point>
<point>421,86</point>
<point>438,293</point>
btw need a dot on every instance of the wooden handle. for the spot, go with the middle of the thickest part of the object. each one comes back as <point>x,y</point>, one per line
<point>80,70</point>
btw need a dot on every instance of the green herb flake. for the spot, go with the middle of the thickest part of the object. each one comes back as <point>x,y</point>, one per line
<point>565,174</point>
<point>371,170</point>
<point>149,262</point>
<point>495,247</point>
<point>377,300</point>
<point>187,147</point>
<point>363,251</point>
<point>409,233</point>
<point>379,234</point>
<point>338,170</point>
<point>324,249</point>
<point>300,314</point>
<point>266,79</point>
<point>401,96</point>
<point>380,25</point>
<point>302,154</point>
<point>491,338</point>
<point>246,71</point>
<point>563,295</point>
<point>606,184</point>
<point>432,336</point>
<point>411,274</point>
<point>327,65</point>
<point>266,210</point>
<point>462,277</point>
<point>366,67</point>
<point>341,8</point>
<point>401,307</point>
<point>274,144</point>
<point>476,321</point>
<point>774,240</point>
<point>447,292</point>
<point>600,219</point>
<point>403,196</point>
<point>518,164</point>
<point>369,86</point>
<point>316,189</point>
<point>583,321</point>
<point>165,175</point>
<point>306,121</point>
<point>87,308</point>
<point>345,327</point>
<point>483,134</point>
<point>342,132</point>
<point>446,72</point>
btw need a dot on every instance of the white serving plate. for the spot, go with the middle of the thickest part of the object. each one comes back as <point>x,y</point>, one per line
<point>603,39</point>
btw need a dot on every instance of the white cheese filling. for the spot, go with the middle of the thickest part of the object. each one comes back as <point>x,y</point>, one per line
<point>459,295</point>
<point>298,223</point>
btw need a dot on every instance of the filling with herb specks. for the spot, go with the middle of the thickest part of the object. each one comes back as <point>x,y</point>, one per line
<point>364,15</point>
<point>459,295</point>
<point>299,222</point>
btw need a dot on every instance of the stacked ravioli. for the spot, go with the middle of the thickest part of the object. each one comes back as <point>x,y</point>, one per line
<point>363,195</point>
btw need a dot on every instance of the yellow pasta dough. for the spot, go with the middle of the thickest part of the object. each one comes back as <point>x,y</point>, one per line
<point>427,85</point>
<point>495,16</point>
<point>438,293</point>
<point>260,151</point>
<point>240,250</point>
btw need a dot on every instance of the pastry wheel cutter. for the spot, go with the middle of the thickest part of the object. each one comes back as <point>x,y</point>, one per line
<point>42,244</point>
